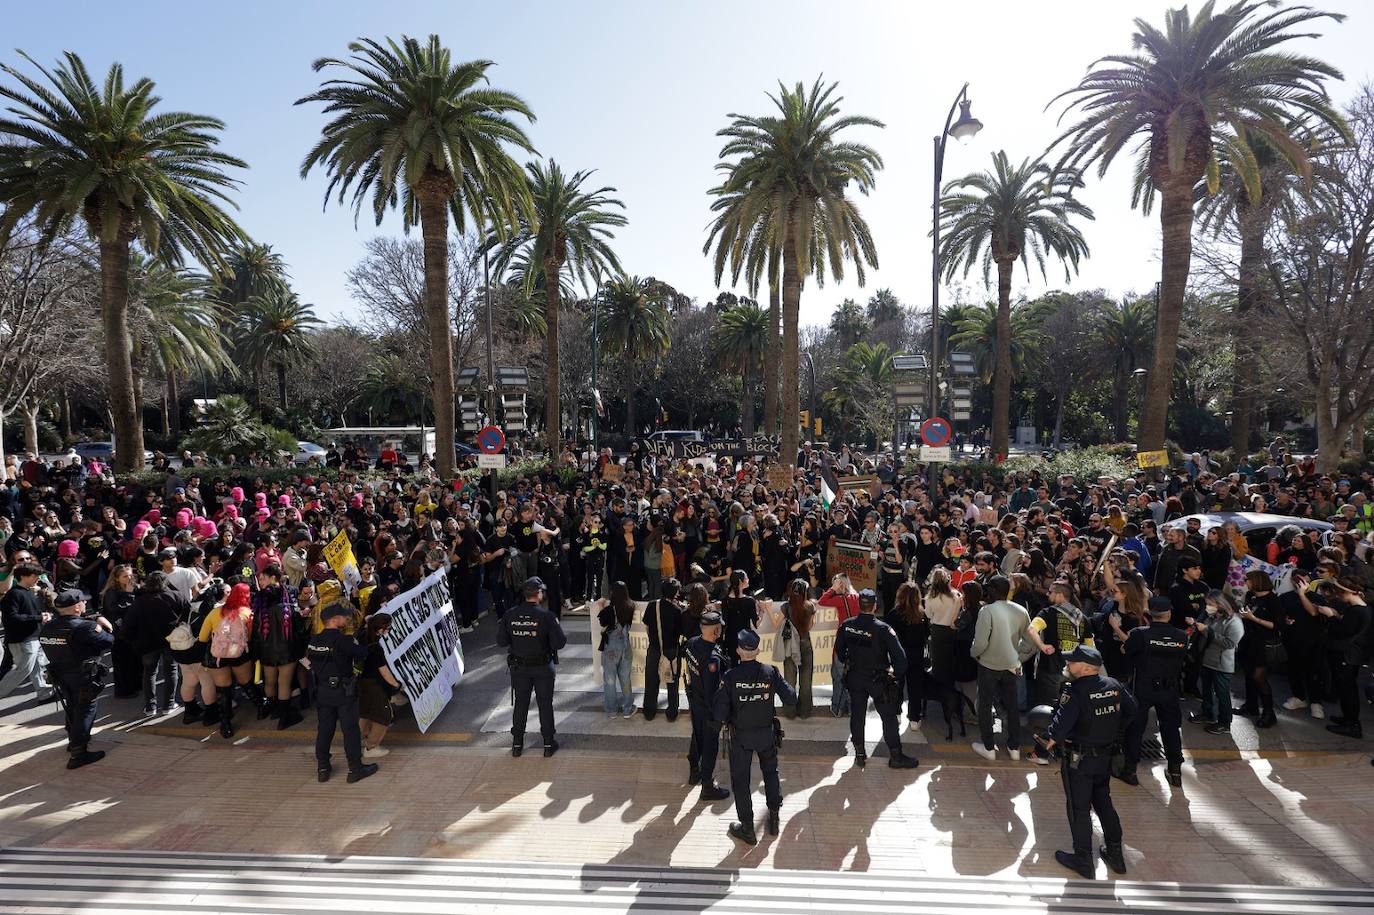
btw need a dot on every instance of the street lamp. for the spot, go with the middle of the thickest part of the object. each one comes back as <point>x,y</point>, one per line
<point>811,367</point>
<point>962,130</point>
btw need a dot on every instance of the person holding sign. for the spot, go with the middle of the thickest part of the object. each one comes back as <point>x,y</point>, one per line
<point>533,637</point>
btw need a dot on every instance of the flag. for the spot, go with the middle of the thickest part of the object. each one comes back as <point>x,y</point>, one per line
<point>827,495</point>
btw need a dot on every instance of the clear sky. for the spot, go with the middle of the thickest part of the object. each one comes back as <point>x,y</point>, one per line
<point>637,91</point>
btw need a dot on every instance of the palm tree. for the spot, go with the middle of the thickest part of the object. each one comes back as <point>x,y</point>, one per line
<point>177,330</point>
<point>569,230</point>
<point>977,333</point>
<point>389,386</point>
<point>999,217</point>
<point>76,150</point>
<point>883,306</point>
<point>848,323</point>
<point>1200,85</point>
<point>250,269</point>
<point>860,390</point>
<point>634,327</point>
<point>742,339</point>
<point>412,128</point>
<point>785,195</point>
<point>275,330</point>
<point>1125,334</point>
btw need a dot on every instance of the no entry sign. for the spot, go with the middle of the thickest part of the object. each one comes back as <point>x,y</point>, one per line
<point>936,432</point>
<point>490,439</point>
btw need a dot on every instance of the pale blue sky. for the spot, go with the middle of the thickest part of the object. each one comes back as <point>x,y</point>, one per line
<point>637,91</point>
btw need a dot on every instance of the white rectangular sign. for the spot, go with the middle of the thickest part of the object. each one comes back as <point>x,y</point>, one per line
<point>491,461</point>
<point>932,455</point>
<point>422,647</point>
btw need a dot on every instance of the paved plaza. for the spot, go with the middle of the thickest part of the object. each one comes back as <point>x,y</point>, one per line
<point>610,823</point>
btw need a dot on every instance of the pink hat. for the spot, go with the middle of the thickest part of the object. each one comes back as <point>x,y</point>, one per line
<point>205,528</point>
<point>154,516</point>
<point>68,549</point>
<point>236,493</point>
<point>262,514</point>
<point>183,519</point>
<point>231,511</point>
<point>284,499</point>
<point>141,528</point>
<point>260,498</point>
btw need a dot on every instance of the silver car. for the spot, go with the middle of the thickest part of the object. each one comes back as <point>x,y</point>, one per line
<point>1257,528</point>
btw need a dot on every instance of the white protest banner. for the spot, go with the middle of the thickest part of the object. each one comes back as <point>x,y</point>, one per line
<point>1282,576</point>
<point>422,647</point>
<point>824,625</point>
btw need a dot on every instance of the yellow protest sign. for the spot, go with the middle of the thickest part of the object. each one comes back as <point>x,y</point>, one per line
<point>339,554</point>
<point>1152,459</point>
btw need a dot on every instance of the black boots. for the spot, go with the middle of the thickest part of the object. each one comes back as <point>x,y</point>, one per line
<point>1114,856</point>
<point>226,714</point>
<point>900,760</point>
<point>712,792</point>
<point>694,776</point>
<point>209,715</point>
<point>1129,777</point>
<point>192,712</point>
<point>286,715</point>
<point>85,758</point>
<point>1079,864</point>
<point>361,772</point>
<point>550,748</point>
<point>744,832</point>
<point>773,822</point>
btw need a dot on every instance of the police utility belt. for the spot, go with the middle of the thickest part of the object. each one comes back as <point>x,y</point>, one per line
<point>532,661</point>
<point>1091,752</point>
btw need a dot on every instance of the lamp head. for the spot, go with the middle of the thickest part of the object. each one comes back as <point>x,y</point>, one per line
<point>967,126</point>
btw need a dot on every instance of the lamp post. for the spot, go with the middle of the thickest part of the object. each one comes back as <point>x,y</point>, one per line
<point>963,129</point>
<point>596,394</point>
<point>811,368</point>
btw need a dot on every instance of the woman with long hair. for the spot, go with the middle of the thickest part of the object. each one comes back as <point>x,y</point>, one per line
<point>740,611</point>
<point>376,685</point>
<point>908,620</point>
<point>1260,618</point>
<point>792,620</point>
<point>942,606</point>
<point>225,634</point>
<point>1216,557</point>
<point>615,618</point>
<point>116,600</point>
<point>275,643</point>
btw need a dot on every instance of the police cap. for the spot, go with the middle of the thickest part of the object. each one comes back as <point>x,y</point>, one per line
<point>1161,607</point>
<point>1085,655</point>
<point>335,609</point>
<point>867,597</point>
<point>748,640</point>
<point>532,586</point>
<point>69,598</point>
<point>711,618</point>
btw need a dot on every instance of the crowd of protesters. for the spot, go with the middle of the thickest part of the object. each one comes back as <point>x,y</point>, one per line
<point>212,582</point>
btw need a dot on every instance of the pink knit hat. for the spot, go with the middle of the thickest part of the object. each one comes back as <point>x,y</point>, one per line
<point>236,493</point>
<point>68,549</point>
<point>141,528</point>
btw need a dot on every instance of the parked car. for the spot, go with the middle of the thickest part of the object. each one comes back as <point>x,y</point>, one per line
<point>307,452</point>
<point>1257,529</point>
<point>98,451</point>
<point>677,435</point>
<point>463,449</point>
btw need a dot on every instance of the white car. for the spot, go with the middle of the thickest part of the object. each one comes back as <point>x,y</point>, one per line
<point>308,452</point>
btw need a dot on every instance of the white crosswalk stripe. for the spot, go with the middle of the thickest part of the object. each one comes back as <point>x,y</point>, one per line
<point>60,881</point>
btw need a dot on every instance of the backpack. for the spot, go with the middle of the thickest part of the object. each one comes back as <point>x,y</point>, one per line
<point>230,639</point>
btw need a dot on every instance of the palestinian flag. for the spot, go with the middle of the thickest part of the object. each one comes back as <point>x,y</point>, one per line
<point>827,495</point>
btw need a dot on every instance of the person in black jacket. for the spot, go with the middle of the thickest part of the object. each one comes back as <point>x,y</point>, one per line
<point>156,612</point>
<point>22,611</point>
<point>875,665</point>
<point>71,644</point>
<point>1347,630</point>
<point>332,655</point>
<point>665,611</point>
<point>534,637</point>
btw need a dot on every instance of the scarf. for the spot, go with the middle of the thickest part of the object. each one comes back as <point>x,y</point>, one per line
<point>288,611</point>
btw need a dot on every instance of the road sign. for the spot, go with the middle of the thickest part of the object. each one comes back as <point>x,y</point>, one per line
<point>491,439</point>
<point>936,432</point>
<point>491,461</point>
<point>932,455</point>
<point>961,415</point>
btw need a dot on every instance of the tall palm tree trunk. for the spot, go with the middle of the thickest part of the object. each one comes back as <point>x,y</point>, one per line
<point>631,388</point>
<point>1120,411</point>
<point>1247,301</point>
<point>747,404</point>
<point>770,362</point>
<point>114,319</point>
<point>173,399</point>
<point>1176,224</point>
<point>552,303</point>
<point>281,385</point>
<point>434,230</point>
<point>791,357</point>
<point>1001,373</point>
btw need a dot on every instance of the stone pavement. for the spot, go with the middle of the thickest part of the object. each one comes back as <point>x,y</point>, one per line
<point>1304,820</point>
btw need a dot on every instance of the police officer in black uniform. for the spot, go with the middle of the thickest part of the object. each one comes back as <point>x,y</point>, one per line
<point>745,703</point>
<point>1093,714</point>
<point>533,637</point>
<point>1158,652</point>
<point>331,655</point>
<point>706,668</point>
<point>74,647</point>
<point>875,666</point>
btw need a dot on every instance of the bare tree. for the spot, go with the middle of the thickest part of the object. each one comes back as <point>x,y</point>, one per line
<point>1323,280</point>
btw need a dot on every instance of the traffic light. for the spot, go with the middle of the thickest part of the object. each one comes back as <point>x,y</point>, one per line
<point>818,426</point>
<point>805,420</point>
<point>469,412</point>
<point>513,411</point>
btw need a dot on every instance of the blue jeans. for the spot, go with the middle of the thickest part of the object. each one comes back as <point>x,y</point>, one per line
<point>615,677</point>
<point>1216,695</point>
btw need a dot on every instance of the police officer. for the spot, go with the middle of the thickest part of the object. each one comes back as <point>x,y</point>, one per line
<point>73,647</point>
<point>705,674</point>
<point>1158,652</point>
<point>875,665</point>
<point>745,702</point>
<point>1094,711</point>
<point>331,654</point>
<point>533,637</point>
